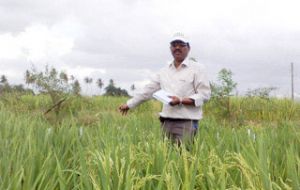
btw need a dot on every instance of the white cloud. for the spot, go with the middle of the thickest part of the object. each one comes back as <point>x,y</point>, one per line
<point>118,39</point>
<point>81,72</point>
<point>39,42</point>
<point>10,47</point>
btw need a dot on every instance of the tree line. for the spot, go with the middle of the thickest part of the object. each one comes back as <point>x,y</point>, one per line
<point>54,82</point>
<point>62,88</point>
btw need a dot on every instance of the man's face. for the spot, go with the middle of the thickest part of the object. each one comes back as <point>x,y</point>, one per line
<point>179,50</point>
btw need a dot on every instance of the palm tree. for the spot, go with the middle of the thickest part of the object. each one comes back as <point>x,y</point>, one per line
<point>88,81</point>
<point>3,79</point>
<point>5,86</point>
<point>27,77</point>
<point>132,88</point>
<point>100,84</point>
<point>63,76</point>
<point>111,82</point>
<point>76,88</point>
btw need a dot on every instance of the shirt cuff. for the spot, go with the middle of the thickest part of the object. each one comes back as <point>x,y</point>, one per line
<point>131,103</point>
<point>198,100</point>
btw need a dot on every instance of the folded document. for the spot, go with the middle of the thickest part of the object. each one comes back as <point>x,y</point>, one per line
<point>163,96</point>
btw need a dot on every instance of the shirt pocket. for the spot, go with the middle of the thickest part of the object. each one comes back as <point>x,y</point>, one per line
<point>186,85</point>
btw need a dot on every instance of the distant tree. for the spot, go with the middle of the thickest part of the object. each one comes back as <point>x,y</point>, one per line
<point>4,86</point>
<point>132,87</point>
<point>20,89</point>
<point>27,78</point>
<point>76,87</point>
<point>30,77</point>
<point>51,82</point>
<point>111,82</point>
<point>63,76</point>
<point>88,81</point>
<point>225,85</point>
<point>221,92</point>
<point>3,79</point>
<point>111,90</point>
<point>260,92</point>
<point>72,77</point>
<point>100,84</point>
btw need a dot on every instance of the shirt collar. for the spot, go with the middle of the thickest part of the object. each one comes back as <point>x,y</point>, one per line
<point>185,63</point>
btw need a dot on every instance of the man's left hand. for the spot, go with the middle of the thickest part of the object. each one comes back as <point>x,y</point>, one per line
<point>175,100</point>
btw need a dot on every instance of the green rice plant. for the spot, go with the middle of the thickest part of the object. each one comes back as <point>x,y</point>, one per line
<point>117,152</point>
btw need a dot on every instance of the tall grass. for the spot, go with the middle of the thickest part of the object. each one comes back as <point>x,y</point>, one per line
<point>94,147</point>
<point>243,110</point>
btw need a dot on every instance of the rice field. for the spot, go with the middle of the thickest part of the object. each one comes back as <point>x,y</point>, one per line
<point>89,145</point>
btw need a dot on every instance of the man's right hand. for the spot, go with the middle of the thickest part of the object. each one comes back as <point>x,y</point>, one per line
<point>124,109</point>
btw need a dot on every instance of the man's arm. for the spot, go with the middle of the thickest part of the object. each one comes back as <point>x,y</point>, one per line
<point>201,88</point>
<point>146,94</point>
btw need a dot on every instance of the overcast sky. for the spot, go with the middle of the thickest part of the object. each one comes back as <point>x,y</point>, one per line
<point>128,40</point>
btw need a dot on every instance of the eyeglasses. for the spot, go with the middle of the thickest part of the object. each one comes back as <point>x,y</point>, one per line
<point>180,44</point>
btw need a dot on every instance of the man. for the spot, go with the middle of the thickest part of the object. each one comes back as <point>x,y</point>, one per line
<point>187,81</point>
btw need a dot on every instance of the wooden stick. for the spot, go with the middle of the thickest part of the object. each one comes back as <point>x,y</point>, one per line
<point>55,105</point>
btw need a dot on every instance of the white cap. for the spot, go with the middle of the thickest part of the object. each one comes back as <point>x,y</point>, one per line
<point>179,36</point>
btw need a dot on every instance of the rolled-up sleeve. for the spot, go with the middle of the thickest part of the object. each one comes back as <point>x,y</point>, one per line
<point>201,87</point>
<point>146,93</point>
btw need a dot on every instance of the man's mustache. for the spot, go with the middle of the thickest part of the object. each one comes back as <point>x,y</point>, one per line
<point>177,50</point>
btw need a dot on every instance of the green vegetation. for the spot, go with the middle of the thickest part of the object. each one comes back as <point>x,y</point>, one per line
<point>5,87</point>
<point>253,144</point>
<point>112,90</point>
<point>61,140</point>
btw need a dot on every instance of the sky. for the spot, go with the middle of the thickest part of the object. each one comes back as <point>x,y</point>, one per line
<point>128,40</point>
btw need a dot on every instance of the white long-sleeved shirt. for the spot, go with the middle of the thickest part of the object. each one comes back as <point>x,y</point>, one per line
<point>187,81</point>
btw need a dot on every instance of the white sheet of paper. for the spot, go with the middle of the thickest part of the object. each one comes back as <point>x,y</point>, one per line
<point>162,96</point>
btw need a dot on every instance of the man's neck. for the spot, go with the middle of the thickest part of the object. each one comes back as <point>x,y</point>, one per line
<point>177,63</point>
